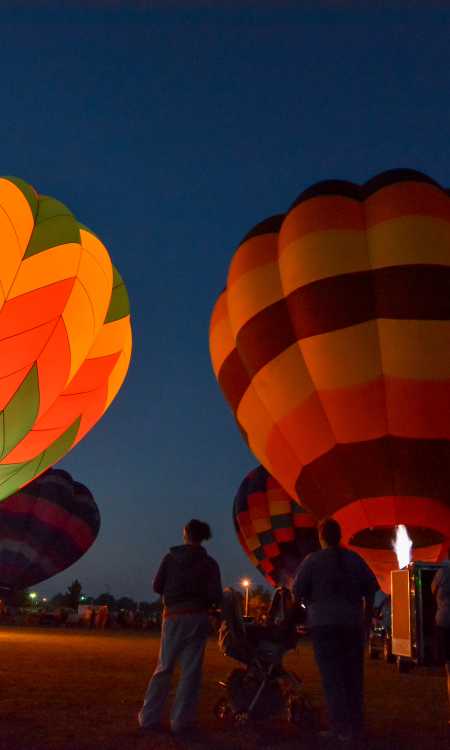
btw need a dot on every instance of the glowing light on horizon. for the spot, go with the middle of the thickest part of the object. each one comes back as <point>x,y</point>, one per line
<point>245,583</point>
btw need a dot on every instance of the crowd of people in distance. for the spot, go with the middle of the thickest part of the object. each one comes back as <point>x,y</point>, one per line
<point>94,617</point>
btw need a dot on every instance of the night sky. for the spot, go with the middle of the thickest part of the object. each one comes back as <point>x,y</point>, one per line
<point>171,132</point>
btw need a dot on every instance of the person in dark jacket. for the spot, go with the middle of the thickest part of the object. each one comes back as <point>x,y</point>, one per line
<point>440,588</point>
<point>189,582</point>
<point>338,588</point>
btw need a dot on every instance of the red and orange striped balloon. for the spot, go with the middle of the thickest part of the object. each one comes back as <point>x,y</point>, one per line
<point>331,343</point>
<point>65,334</point>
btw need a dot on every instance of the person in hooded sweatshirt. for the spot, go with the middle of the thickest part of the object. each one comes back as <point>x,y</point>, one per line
<point>189,582</point>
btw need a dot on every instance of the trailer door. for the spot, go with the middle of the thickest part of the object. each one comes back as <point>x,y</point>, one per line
<point>401,613</point>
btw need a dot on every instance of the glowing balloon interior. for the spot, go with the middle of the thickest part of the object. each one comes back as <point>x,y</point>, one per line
<point>65,334</point>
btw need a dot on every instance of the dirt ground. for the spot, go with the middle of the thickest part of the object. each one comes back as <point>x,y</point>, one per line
<point>76,690</point>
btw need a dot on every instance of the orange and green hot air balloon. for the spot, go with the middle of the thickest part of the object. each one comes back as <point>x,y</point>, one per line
<point>331,342</point>
<point>65,334</point>
<point>274,531</point>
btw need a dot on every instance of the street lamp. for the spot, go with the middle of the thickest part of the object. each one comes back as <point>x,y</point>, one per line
<point>246,585</point>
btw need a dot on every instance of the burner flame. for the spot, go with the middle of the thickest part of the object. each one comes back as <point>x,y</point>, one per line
<point>402,545</point>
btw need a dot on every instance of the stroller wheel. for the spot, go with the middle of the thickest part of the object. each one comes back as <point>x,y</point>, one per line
<point>222,710</point>
<point>252,695</point>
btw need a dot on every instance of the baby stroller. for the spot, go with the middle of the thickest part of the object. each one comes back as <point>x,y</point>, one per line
<point>262,688</point>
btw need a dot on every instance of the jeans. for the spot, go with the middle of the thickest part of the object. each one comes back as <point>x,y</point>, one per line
<point>339,652</point>
<point>183,640</point>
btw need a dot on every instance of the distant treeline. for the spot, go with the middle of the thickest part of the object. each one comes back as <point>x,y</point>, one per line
<point>74,596</point>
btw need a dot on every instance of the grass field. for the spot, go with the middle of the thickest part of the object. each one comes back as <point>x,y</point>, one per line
<point>75,690</point>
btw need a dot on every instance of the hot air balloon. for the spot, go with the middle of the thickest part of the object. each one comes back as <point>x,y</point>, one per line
<point>331,343</point>
<point>274,531</point>
<point>65,335</point>
<point>44,528</point>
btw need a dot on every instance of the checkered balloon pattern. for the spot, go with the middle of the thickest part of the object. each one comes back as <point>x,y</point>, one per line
<point>275,532</point>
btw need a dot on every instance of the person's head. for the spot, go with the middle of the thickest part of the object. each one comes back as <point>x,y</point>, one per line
<point>196,532</point>
<point>329,533</point>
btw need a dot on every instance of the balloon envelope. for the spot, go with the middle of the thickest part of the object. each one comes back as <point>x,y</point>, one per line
<point>274,531</point>
<point>45,528</point>
<point>65,335</point>
<point>331,343</point>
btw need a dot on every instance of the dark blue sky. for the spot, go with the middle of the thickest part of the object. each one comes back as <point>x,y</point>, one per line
<point>170,133</point>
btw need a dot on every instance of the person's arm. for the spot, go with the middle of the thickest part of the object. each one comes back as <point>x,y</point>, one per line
<point>370,588</point>
<point>160,578</point>
<point>302,586</point>
<point>215,591</point>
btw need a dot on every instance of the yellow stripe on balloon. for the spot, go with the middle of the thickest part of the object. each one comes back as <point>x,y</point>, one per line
<point>416,349</point>
<point>255,252</point>
<point>343,357</point>
<point>404,241</point>
<point>412,349</point>
<point>253,292</point>
<point>222,342</point>
<point>320,255</point>
<point>409,240</point>
<point>284,382</point>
